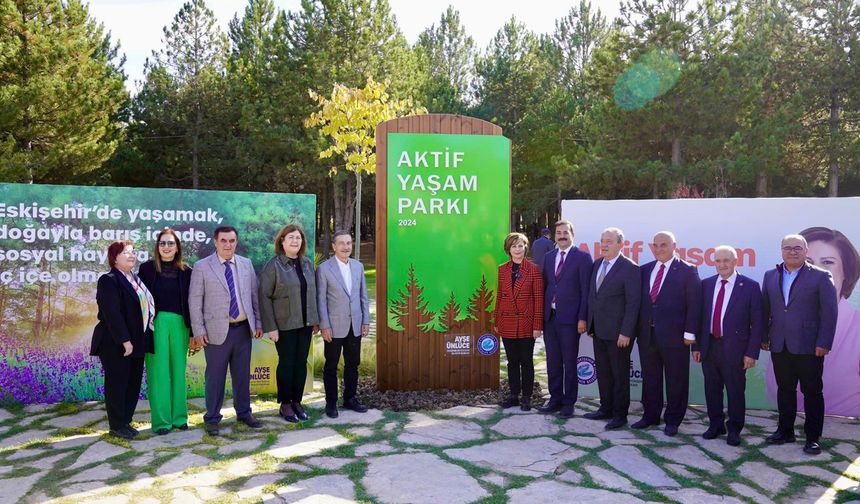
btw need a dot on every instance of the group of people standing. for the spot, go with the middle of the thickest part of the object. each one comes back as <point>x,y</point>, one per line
<point>153,317</point>
<point>721,322</point>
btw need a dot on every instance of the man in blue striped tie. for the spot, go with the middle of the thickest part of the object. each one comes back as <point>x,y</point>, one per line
<point>225,314</point>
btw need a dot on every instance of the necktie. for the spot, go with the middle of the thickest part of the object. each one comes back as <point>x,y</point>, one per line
<point>560,266</point>
<point>602,274</point>
<point>147,304</point>
<point>234,302</point>
<point>716,323</point>
<point>655,289</point>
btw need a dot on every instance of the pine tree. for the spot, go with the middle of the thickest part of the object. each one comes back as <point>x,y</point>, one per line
<point>410,309</point>
<point>61,83</point>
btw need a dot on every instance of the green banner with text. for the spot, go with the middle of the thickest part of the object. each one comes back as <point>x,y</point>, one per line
<point>448,214</point>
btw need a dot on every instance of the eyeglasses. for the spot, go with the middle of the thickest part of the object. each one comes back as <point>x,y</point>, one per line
<point>167,243</point>
<point>129,253</point>
<point>796,249</point>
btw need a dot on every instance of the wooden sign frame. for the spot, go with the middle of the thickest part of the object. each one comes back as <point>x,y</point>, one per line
<point>410,361</point>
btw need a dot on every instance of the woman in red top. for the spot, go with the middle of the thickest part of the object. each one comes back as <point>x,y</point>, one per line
<point>518,318</point>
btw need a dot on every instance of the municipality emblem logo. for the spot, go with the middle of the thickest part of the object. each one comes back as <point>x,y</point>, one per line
<point>488,344</point>
<point>586,371</point>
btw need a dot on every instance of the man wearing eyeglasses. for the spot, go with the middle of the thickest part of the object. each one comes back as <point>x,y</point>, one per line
<point>799,301</point>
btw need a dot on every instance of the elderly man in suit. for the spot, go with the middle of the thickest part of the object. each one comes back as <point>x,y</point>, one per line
<point>728,342</point>
<point>613,306</point>
<point>344,318</point>
<point>225,313</point>
<point>566,275</point>
<point>800,305</point>
<point>669,318</point>
<point>541,247</point>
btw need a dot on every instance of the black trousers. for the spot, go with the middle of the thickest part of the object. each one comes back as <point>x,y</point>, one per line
<point>123,376</point>
<point>293,347</point>
<point>521,366</point>
<point>613,377</point>
<point>669,365</point>
<point>789,369</point>
<point>351,346</point>
<point>720,371</point>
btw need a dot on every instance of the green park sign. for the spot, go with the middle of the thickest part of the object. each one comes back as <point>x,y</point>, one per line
<point>448,210</point>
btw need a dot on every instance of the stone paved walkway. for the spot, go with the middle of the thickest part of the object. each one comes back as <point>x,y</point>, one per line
<point>60,453</point>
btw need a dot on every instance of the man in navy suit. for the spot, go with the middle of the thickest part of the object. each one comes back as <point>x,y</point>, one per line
<point>728,342</point>
<point>668,320</point>
<point>613,306</point>
<point>800,305</point>
<point>540,247</point>
<point>566,274</point>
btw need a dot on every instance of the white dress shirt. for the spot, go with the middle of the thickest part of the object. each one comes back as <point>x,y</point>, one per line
<point>728,295</point>
<point>687,336</point>
<point>234,267</point>
<point>345,273</point>
<point>557,261</point>
<point>605,266</point>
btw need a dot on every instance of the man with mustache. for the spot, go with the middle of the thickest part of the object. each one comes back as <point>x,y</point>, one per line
<point>566,274</point>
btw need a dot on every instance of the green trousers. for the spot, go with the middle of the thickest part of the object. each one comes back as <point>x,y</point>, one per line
<point>165,372</point>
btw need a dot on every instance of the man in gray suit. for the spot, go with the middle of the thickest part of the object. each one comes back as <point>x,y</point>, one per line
<point>799,302</point>
<point>613,308</point>
<point>344,318</point>
<point>224,314</point>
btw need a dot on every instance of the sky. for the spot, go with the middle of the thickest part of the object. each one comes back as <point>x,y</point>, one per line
<point>138,24</point>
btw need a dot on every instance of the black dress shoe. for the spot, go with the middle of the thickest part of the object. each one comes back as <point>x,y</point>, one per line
<point>251,422</point>
<point>644,424</point>
<point>616,423</point>
<point>670,430</point>
<point>509,402</point>
<point>733,439</point>
<point>597,415</point>
<point>301,414</point>
<point>812,448</point>
<point>355,405</point>
<point>778,438</point>
<point>132,429</point>
<point>550,408</point>
<point>183,427</point>
<point>566,412</point>
<point>713,432</point>
<point>526,404</point>
<point>121,433</point>
<point>331,411</point>
<point>212,429</point>
<point>287,413</point>
<point>162,432</point>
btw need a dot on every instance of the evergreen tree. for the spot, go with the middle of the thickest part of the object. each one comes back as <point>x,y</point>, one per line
<point>61,83</point>
<point>448,54</point>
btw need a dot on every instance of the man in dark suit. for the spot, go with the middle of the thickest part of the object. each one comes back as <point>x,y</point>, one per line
<point>540,248</point>
<point>668,321</point>
<point>225,315</point>
<point>566,273</point>
<point>800,304</point>
<point>728,342</point>
<point>613,306</point>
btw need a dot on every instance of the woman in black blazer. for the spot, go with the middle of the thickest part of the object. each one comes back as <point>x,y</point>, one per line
<point>122,336</point>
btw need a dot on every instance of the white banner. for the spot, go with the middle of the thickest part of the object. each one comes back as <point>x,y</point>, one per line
<point>755,228</point>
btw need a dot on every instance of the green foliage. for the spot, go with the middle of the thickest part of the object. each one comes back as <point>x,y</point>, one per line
<point>61,84</point>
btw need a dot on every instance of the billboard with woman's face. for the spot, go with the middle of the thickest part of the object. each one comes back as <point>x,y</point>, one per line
<point>754,227</point>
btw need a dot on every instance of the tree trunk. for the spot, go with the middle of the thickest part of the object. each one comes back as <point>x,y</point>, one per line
<point>358,215</point>
<point>676,152</point>
<point>833,172</point>
<point>195,148</point>
<point>761,189</point>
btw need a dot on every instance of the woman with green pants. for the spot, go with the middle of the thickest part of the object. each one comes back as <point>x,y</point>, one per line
<point>168,278</point>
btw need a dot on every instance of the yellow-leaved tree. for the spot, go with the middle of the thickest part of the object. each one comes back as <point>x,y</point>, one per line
<point>349,118</point>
